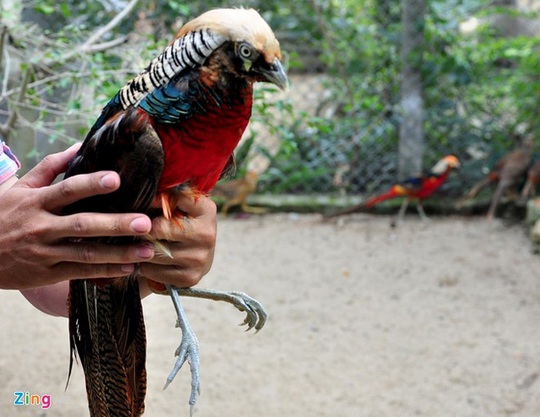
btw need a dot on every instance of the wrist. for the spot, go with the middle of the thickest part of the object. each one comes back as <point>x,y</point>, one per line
<point>7,184</point>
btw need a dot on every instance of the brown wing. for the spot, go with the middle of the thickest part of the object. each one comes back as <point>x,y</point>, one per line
<point>128,145</point>
<point>105,317</point>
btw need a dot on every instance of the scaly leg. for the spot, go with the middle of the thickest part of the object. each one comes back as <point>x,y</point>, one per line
<point>402,210</point>
<point>421,211</point>
<point>189,347</point>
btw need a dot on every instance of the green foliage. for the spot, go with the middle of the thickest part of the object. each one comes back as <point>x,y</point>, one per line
<point>481,89</point>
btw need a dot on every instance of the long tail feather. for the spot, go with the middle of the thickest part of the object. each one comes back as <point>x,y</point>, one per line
<point>392,193</point>
<point>107,332</point>
<point>369,203</point>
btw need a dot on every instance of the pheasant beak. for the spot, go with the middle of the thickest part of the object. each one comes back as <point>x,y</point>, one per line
<point>275,74</point>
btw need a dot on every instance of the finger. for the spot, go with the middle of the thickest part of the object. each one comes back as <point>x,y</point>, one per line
<point>199,226</point>
<point>172,274</point>
<point>196,207</point>
<point>76,188</point>
<point>179,230</point>
<point>186,256</point>
<point>187,268</point>
<point>100,224</point>
<point>101,253</point>
<point>71,270</point>
<point>49,168</point>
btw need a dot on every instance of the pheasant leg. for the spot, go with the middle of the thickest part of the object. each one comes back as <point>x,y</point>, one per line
<point>188,349</point>
<point>421,212</point>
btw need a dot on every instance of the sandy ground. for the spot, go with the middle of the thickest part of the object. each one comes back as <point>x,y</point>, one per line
<point>438,320</point>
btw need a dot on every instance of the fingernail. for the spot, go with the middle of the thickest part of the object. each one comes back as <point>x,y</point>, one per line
<point>145,252</point>
<point>140,225</point>
<point>127,268</point>
<point>109,181</point>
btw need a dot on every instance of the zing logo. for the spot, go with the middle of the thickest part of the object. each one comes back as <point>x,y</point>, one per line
<point>25,398</point>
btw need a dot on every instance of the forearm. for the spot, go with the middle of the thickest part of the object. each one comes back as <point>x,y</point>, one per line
<point>50,299</point>
<point>53,299</point>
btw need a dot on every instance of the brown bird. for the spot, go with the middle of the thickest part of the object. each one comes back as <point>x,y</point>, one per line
<point>506,172</point>
<point>236,192</point>
<point>533,178</point>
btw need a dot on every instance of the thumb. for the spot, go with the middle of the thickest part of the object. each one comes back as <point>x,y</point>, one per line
<point>44,173</point>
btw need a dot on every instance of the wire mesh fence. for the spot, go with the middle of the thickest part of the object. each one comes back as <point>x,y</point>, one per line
<point>478,79</point>
<point>474,68</point>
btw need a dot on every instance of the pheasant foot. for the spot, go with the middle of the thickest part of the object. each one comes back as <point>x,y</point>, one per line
<point>188,349</point>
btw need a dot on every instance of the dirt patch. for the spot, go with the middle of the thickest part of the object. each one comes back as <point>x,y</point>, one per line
<point>432,319</point>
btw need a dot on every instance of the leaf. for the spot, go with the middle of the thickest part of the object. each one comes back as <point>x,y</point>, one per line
<point>64,9</point>
<point>43,8</point>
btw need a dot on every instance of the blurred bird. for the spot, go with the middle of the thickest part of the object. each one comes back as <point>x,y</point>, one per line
<point>506,172</point>
<point>169,131</point>
<point>533,178</point>
<point>414,188</point>
<point>236,192</point>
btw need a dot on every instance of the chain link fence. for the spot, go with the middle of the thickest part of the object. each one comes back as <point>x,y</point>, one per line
<point>339,128</point>
<point>479,82</point>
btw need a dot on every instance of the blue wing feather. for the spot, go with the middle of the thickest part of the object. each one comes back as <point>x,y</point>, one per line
<point>168,104</point>
<point>173,102</point>
<point>412,182</point>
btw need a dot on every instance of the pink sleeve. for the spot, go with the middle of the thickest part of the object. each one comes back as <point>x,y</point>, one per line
<point>9,164</point>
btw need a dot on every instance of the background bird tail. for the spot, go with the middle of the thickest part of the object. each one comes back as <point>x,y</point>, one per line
<point>107,332</point>
<point>370,202</point>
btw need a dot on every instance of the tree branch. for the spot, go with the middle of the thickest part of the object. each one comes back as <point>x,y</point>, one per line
<point>105,45</point>
<point>6,128</point>
<point>6,64</point>
<point>90,45</point>
<point>3,32</point>
<point>332,50</point>
<point>109,26</point>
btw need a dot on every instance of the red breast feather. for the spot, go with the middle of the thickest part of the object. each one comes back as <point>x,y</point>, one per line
<point>197,150</point>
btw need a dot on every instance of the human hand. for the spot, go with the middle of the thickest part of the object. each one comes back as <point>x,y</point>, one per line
<point>37,244</point>
<point>191,244</point>
<point>192,248</point>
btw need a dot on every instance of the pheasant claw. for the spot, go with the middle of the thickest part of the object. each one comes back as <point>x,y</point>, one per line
<point>256,315</point>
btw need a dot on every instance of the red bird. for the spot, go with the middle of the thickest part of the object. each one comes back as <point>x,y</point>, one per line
<point>170,130</point>
<point>414,188</point>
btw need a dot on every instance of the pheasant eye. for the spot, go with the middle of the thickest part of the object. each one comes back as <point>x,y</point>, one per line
<point>245,51</point>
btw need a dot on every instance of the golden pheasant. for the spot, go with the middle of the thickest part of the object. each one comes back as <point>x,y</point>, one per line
<point>414,188</point>
<point>170,130</point>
